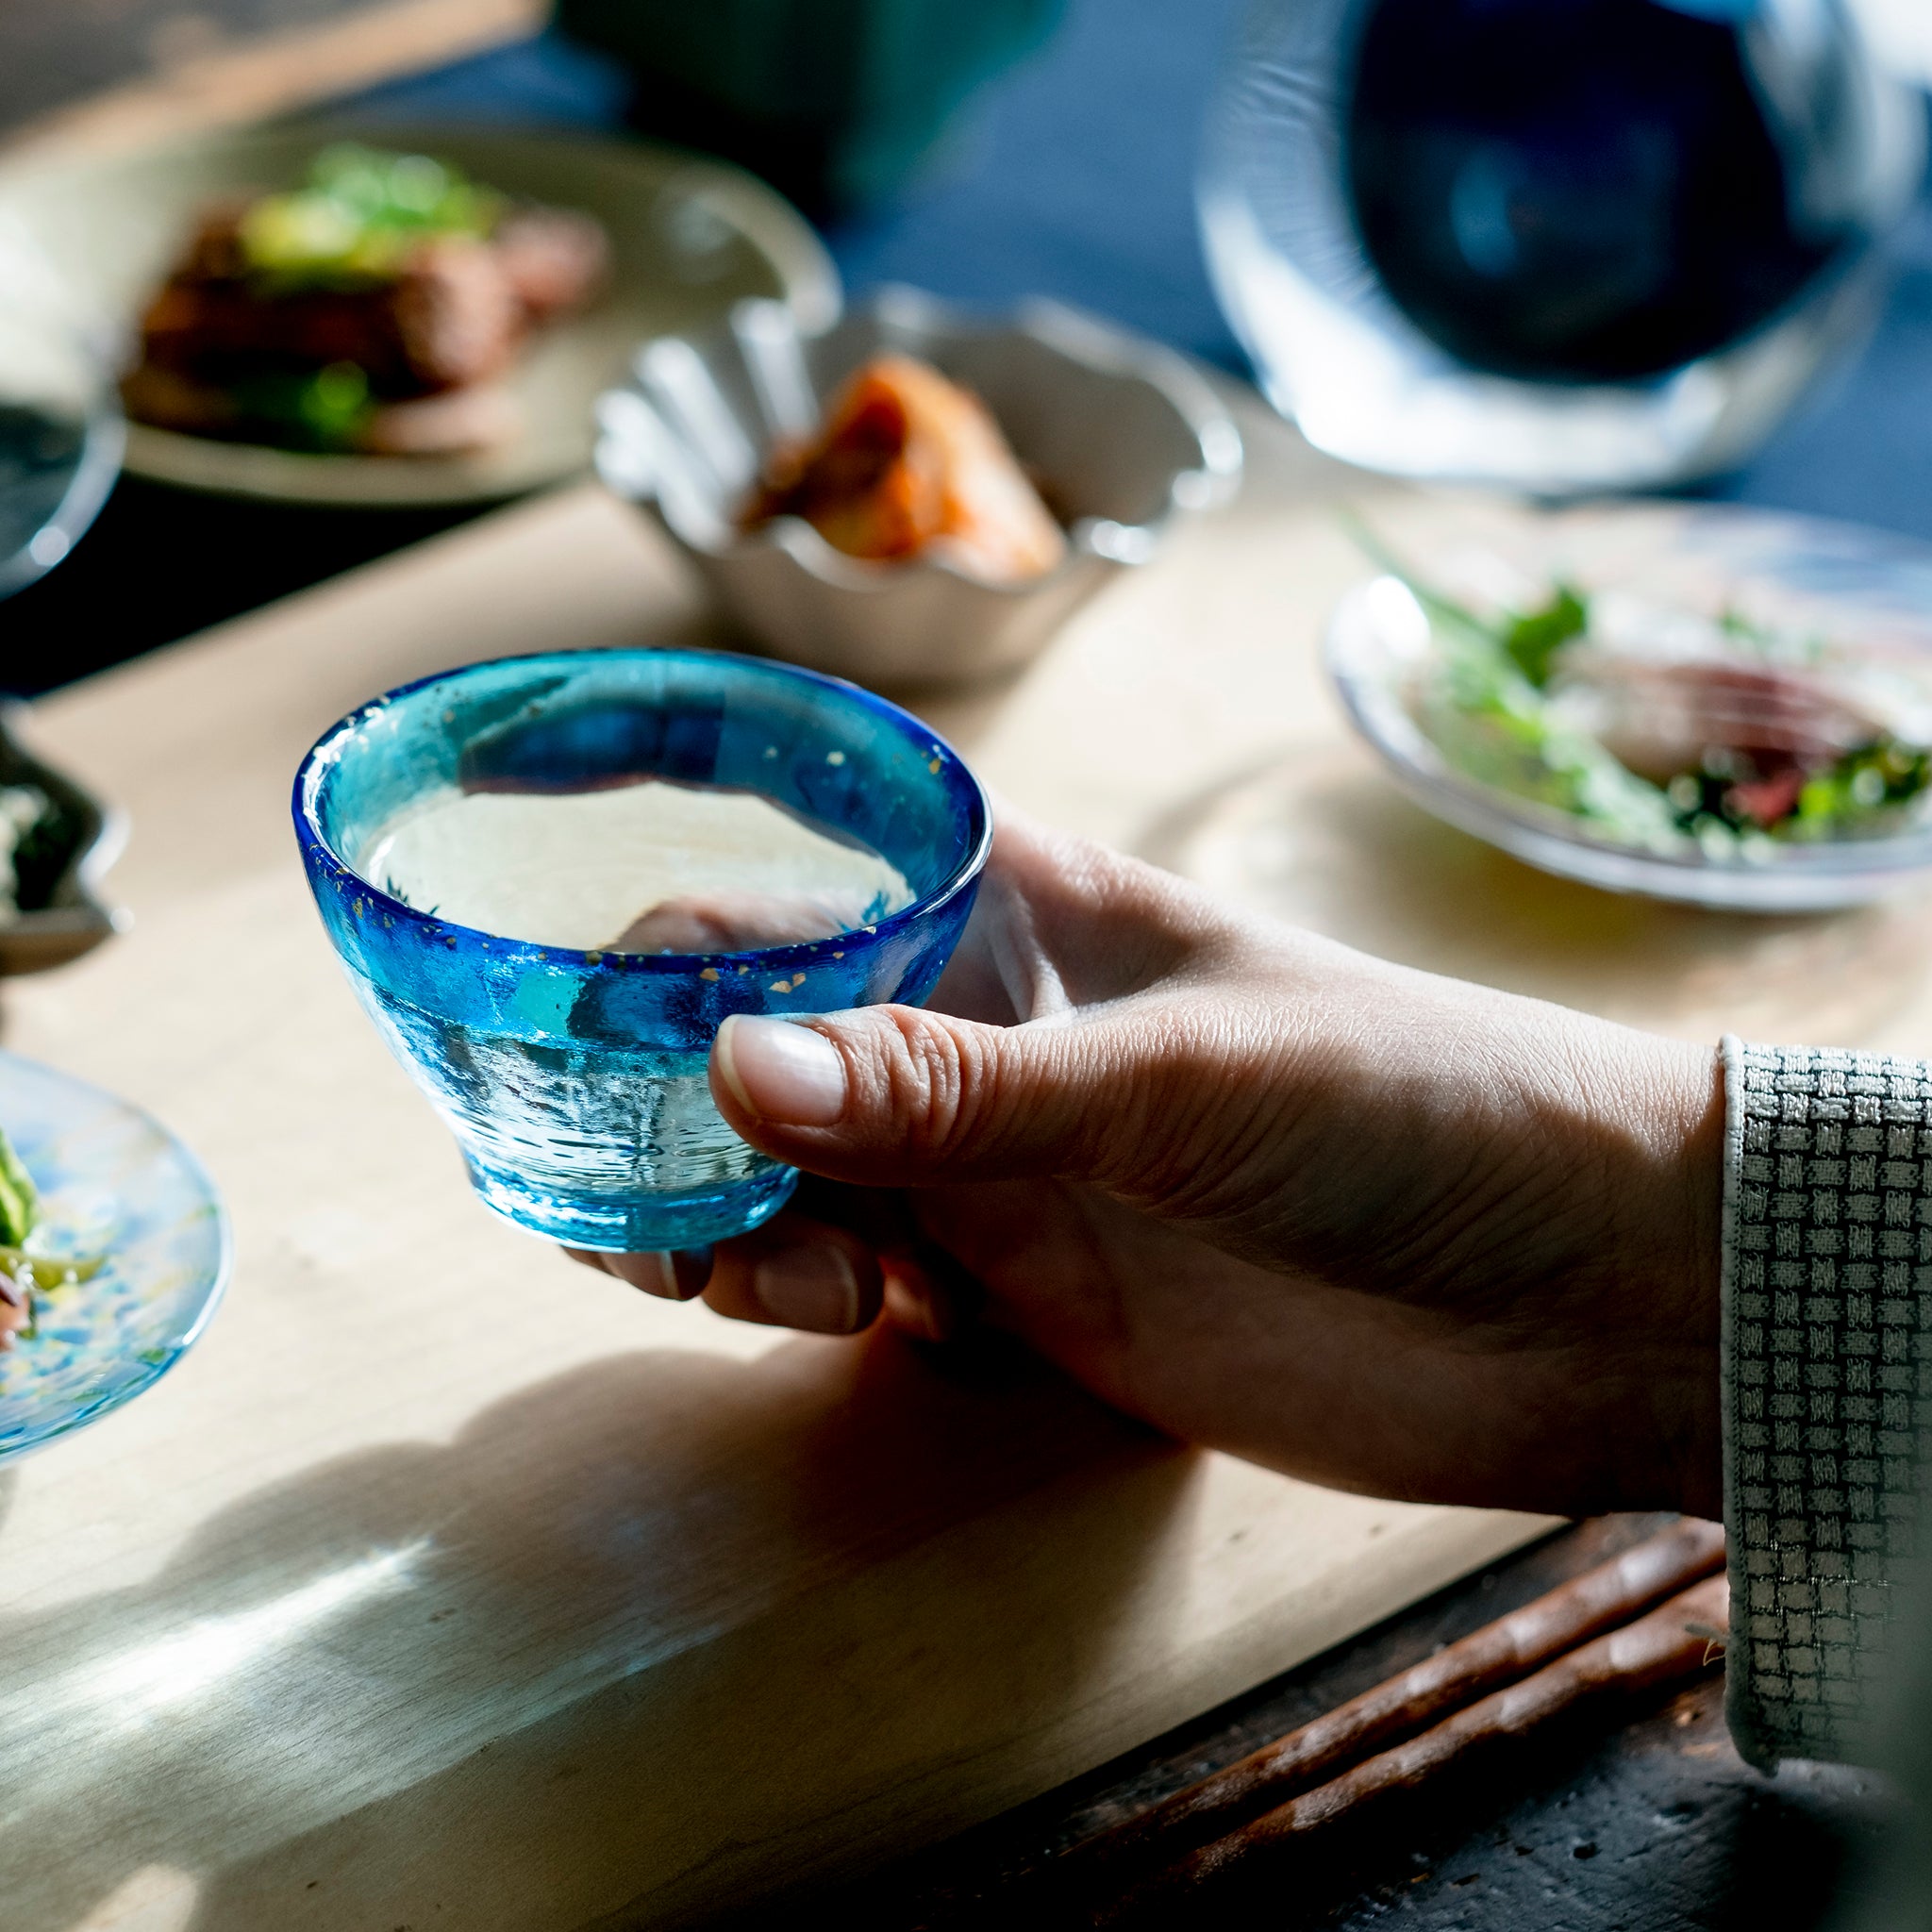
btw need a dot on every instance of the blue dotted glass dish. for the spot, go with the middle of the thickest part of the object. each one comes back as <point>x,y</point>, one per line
<point>576,1082</point>
<point>114,1185</point>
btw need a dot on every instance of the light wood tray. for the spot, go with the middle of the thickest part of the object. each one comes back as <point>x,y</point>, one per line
<point>449,1584</point>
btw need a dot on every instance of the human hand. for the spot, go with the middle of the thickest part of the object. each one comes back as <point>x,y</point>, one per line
<point>1386,1231</point>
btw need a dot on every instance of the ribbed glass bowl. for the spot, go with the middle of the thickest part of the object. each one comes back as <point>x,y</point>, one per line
<point>1120,434</point>
<point>576,1082</point>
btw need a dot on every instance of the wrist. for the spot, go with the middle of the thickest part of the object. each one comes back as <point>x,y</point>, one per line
<point>1675,1229</point>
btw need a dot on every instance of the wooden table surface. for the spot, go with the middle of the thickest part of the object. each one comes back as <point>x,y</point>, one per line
<point>115,73</point>
<point>448,1584</point>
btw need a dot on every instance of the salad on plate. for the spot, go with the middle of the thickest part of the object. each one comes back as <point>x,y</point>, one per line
<point>1661,728</point>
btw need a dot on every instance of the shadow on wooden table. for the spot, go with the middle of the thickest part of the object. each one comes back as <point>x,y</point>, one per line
<point>477,1676</point>
<point>1319,836</point>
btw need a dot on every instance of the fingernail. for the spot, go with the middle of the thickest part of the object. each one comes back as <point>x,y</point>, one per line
<point>809,1287</point>
<point>788,1075</point>
<point>654,1274</point>
<point>691,1268</point>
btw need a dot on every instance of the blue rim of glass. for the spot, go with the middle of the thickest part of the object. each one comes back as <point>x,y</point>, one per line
<point>960,777</point>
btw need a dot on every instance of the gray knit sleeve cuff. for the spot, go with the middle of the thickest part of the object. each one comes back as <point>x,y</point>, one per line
<point>1827,1363</point>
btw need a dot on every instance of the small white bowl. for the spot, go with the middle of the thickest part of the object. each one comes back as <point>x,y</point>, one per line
<point>1119,432</point>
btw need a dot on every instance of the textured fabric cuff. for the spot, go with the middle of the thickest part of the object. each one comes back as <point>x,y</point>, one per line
<point>1826,1364</point>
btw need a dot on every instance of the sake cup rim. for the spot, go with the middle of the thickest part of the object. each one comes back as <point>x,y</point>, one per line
<point>962,877</point>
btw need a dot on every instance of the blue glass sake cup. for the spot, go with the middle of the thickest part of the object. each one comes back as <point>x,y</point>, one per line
<point>576,1082</point>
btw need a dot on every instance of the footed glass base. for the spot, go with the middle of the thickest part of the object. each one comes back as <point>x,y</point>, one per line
<point>635,1223</point>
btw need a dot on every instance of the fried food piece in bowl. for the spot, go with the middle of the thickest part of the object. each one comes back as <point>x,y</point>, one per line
<point>908,464</point>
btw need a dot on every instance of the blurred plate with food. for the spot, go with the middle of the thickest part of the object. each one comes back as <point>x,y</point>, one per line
<point>113,1253</point>
<point>327,313</point>
<point>1703,703</point>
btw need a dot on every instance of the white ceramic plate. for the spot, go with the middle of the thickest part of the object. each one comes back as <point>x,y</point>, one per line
<point>689,239</point>
<point>1862,591</point>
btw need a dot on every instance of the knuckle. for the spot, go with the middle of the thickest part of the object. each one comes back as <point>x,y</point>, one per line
<point>931,1073</point>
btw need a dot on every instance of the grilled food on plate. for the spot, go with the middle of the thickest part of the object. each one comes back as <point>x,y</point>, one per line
<point>375,308</point>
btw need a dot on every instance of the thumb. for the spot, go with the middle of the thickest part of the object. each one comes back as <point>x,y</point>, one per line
<point>898,1096</point>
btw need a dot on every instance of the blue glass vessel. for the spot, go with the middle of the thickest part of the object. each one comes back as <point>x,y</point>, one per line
<point>1556,246</point>
<point>576,1082</point>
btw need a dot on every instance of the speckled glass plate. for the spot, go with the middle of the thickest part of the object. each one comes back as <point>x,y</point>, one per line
<point>114,1183</point>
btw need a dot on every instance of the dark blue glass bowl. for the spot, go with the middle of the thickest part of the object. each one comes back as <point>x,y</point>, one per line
<point>574,1082</point>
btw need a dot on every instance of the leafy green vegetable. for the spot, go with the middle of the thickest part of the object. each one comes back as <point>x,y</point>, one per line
<point>1486,714</point>
<point>37,1271</point>
<point>1859,790</point>
<point>19,1199</point>
<point>38,1276</point>
<point>1533,640</point>
<point>359,216</point>
<point>1491,723</point>
<point>1482,703</point>
<point>323,410</point>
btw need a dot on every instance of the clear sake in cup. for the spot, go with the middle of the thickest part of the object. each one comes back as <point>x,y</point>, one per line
<point>802,844</point>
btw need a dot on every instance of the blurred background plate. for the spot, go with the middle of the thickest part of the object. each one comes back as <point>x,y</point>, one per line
<point>1862,594</point>
<point>689,239</point>
<point>113,1183</point>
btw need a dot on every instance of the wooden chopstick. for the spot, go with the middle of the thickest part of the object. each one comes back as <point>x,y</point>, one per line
<point>1497,1655</point>
<point>1679,1640</point>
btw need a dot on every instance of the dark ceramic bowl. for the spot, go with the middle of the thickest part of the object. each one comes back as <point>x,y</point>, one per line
<point>61,871</point>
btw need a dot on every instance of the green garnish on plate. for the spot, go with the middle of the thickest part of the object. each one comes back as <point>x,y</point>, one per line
<point>358,215</point>
<point>32,1275</point>
<point>20,1200</point>
<point>324,410</point>
<point>1499,700</point>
